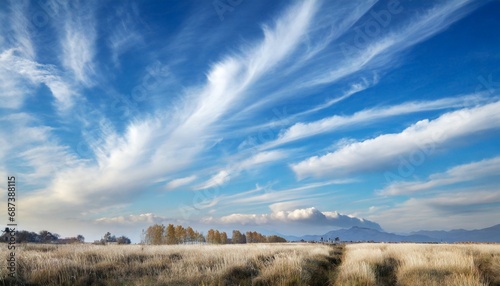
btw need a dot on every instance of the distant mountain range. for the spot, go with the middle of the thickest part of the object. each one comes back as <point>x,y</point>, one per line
<point>490,234</point>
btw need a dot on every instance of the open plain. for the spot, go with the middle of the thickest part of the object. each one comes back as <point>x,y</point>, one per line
<point>257,264</point>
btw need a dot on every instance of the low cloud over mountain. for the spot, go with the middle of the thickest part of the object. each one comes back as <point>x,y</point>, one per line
<point>310,216</point>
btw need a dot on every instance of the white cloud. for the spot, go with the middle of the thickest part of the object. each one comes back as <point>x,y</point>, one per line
<point>474,208</point>
<point>279,200</point>
<point>383,150</point>
<point>174,184</point>
<point>124,35</point>
<point>233,170</point>
<point>123,163</point>
<point>132,219</point>
<point>333,21</point>
<point>21,29</point>
<point>458,174</point>
<point>380,52</point>
<point>310,216</point>
<point>12,91</point>
<point>215,181</point>
<point>78,44</point>
<point>328,124</point>
<point>261,158</point>
<point>37,74</point>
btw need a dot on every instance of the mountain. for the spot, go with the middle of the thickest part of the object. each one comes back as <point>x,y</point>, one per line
<point>363,234</point>
<point>491,234</point>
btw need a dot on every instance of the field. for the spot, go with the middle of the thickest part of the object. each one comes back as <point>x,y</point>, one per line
<point>256,264</point>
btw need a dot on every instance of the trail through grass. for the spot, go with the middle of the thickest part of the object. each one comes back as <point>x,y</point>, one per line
<point>248,264</point>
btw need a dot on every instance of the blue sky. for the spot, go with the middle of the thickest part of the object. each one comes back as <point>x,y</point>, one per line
<point>292,116</point>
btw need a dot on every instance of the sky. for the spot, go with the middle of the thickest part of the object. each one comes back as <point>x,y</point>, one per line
<point>289,117</point>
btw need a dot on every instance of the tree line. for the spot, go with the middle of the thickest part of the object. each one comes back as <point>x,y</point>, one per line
<point>159,234</point>
<point>43,236</point>
<point>108,238</point>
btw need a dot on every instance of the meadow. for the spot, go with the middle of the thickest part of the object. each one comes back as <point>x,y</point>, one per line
<point>256,264</point>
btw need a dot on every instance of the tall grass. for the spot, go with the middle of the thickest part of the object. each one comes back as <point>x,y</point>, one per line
<point>256,264</point>
<point>420,264</point>
<point>250,264</point>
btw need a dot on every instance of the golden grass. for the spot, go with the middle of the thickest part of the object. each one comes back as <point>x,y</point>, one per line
<point>420,264</point>
<point>257,264</point>
<point>250,264</point>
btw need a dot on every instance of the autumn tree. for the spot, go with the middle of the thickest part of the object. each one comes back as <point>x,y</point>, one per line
<point>211,236</point>
<point>170,235</point>
<point>190,234</point>
<point>154,234</point>
<point>200,237</point>
<point>217,238</point>
<point>180,234</point>
<point>250,237</point>
<point>275,239</point>
<point>159,234</point>
<point>238,237</point>
<point>223,237</point>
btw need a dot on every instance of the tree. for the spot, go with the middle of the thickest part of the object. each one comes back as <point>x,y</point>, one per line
<point>109,238</point>
<point>24,236</point>
<point>250,237</point>
<point>123,240</point>
<point>200,237</point>
<point>80,238</point>
<point>238,237</point>
<point>47,236</point>
<point>154,234</point>
<point>170,235</point>
<point>275,239</point>
<point>211,236</point>
<point>180,234</point>
<point>190,234</point>
<point>217,238</point>
<point>258,237</point>
<point>223,237</point>
<point>337,239</point>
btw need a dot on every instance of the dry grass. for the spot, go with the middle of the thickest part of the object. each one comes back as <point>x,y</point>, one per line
<point>257,264</point>
<point>420,264</point>
<point>250,264</point>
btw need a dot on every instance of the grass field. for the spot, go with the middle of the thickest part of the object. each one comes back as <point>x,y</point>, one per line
<point>256,264</point>
<point>420,264</point>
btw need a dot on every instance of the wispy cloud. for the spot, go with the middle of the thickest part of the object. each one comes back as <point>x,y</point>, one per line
<point>21,29</point>
<point>132,219</point>
<point>267,196</point>
<point>141,152</point>
<point>334,21</point>
<point>473,208</point>
<point>125,35</point>
<point>78,42</point>
<point>381,51</point>
<point>174,184</point>
<point>216,180</point>
<point>379,152</point>
<point>39,74</point>
<point>75,84</point>
<point>239,165</point>
<point>304,130</point>
<point>488,168</point>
